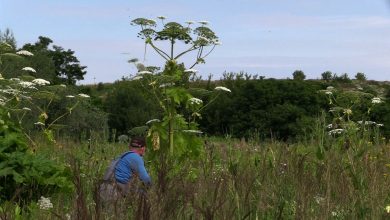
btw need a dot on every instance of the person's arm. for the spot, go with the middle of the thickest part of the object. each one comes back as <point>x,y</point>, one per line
<point>139,167</point>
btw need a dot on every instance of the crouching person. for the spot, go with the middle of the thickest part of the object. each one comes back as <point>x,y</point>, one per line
<point>130,166</point>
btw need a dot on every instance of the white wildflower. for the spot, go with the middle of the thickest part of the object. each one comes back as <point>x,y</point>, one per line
<point>387,209</point>
<point>347,111</point>
<point>193,131</point>
<point>39,123</point>
<point>41,82</point>
<point>70,96</point>
<point>145,72</point>
<point>359,88</point>
<point>195,101</point>
<point>380,125</point>
<point>203,38</point>
<point>15,79</point>
<point>329,88</point>
<point>136,77</point>
<point>25,53</point>
<point>319,199</point>
<point>328,92</point>
<point>45,203</point>
<point>2,102</point>
<point>190,22</point>
<point>166,85</point>
<point>26,109</point>
<point>190,71</point>
<point>329,126</point>
<point>221,88</point>
<point>376,100</point>
<point>336,131</point>
<point>82,95</point>
<point>367,122</point>
<point>217,42</point>
<point>63,85</point>
<point>1,76</point>
<point>152,121</point>
<point>203,22</point>
<point>27,68</point>
<point>29,85</point>
<point>162,17</point>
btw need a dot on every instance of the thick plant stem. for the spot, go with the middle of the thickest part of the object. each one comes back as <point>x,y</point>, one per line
<point>171,136</point>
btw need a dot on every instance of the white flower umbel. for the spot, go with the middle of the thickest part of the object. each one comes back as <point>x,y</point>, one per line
<point>145,72</point>
<point>195,101</point>
<point>82,95</point>
<point>39,123</point>
<point>45,203</point>
<point>137,77</point>
<point>190,71</point>
<point>376,100</point>
<point>152,121</point>
<point>24,53</point>
<point>15,79</point>
<point>30,69</point>
<point>63,85</point>
<point>41,82</point>
<point>203,22</point>
<point>166,85</point>
<point>336,131</point>
<point>26,109</point>
<point>380,125</point>
<point>329,88</point>
<point>70,96</point>
<point>192,131</point>
<point>162,17</point>
<point>221,88</point>
<point>388,209</point>
<point>2,102</point>
<point>28,85</point>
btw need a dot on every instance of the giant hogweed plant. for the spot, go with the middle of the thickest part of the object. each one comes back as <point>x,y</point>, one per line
<point>181,105</point>
<point>21,170</point>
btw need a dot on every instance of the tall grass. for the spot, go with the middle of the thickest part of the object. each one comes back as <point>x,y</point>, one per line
<point>323,177</point>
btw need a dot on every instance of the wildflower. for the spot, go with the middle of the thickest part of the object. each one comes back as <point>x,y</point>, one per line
<point>152,121</point>
<point>347,111</point>
<point>28,85</point>
<point>221,88</point>
<point>329,126</point>
<point>203,22</point>
<point>63,85</point>
<point>26,109</point>
<point>380,125</point>
<point>29,69</point>
<point>193,131</point>
<point>82,95</point>
<point>329,88</point>
<point>328,92</point>
<point>190,71</point>
<point>25,53</point>
<point>1,76</point>
<point>41,82</point>
<point>2,102</point>
<point>166,85</point>
<point>319,199</point>
<point>376,100</point>
<point>145,72</point>
<point>39,123</point>
<point>190,22</point>
<point>195,101</point>
<point>45,203</point>
<point>136,78</point>
<point>69,96</point>
<point>388,209</point>
<point>336,131</point>
<point>15,79</point>
<point>203,39</point>
<point>162,17</point>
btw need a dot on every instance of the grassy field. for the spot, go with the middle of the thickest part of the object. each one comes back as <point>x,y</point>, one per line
<point>233,179</point>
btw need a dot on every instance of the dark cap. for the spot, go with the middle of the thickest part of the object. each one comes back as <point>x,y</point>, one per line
<point>137,142</point>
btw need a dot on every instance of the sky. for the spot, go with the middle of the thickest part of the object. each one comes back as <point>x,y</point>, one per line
<point>270,38</point>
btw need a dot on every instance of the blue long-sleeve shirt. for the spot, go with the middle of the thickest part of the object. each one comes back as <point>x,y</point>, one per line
<point>131,164</point>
